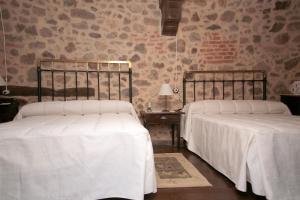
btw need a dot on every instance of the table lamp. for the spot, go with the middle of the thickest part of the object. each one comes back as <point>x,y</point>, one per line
<point>165,90</point>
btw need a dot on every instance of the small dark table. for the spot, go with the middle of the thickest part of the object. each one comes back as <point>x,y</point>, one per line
<point>292,101</point>
<point>164,118</point>
<point>9,107</point>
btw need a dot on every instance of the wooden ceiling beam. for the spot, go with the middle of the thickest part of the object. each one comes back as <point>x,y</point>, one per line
<point>171,15</point>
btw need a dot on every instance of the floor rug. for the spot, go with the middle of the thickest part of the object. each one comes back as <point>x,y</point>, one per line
<point>174,170</point>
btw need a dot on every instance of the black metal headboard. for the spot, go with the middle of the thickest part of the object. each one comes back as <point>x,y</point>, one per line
<point>99,74</point>
<point>235,84</point>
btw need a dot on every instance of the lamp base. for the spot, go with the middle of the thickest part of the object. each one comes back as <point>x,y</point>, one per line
<point>149,109</point>
<point>166,105</point>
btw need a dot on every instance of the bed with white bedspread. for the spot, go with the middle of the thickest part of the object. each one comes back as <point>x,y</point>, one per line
<point>83,150</point>
<point>248,140</point>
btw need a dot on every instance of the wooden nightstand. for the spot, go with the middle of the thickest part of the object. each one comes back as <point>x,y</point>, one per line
<point>292,101</point>
<point>9,107</point>
<point>167,118</point>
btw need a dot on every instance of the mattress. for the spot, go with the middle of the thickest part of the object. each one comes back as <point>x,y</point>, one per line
<point>76,156</point>
<point>263,148</point>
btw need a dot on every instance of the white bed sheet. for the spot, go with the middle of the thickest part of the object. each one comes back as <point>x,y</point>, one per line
<point>84,157</point>
<point>263,148</point>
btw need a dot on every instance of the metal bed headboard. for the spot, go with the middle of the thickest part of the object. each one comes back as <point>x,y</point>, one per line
<point>256,76</point>
<point>75,72</point>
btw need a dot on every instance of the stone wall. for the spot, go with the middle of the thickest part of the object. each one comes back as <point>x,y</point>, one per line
<point>247,34</point>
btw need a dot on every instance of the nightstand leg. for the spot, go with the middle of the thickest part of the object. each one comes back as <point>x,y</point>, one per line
<point>173,134</point>
<point>178,135</point>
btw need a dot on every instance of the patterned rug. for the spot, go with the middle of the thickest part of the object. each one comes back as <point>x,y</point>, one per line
<point>174,170</point>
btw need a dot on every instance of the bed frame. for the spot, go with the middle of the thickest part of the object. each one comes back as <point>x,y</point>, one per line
<point>228,79</point>
<point>44,69</point>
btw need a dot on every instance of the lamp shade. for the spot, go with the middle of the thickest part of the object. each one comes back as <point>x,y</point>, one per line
<point>2,81</point>
<point>165,90</point>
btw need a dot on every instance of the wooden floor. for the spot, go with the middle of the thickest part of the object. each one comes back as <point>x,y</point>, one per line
<point>222,188</point>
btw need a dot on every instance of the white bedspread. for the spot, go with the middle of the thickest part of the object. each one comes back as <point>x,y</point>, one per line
<point>267,144</point>
<point>82,157</point>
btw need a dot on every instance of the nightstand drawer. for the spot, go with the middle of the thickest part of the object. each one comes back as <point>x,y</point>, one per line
<point>163,118</point>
